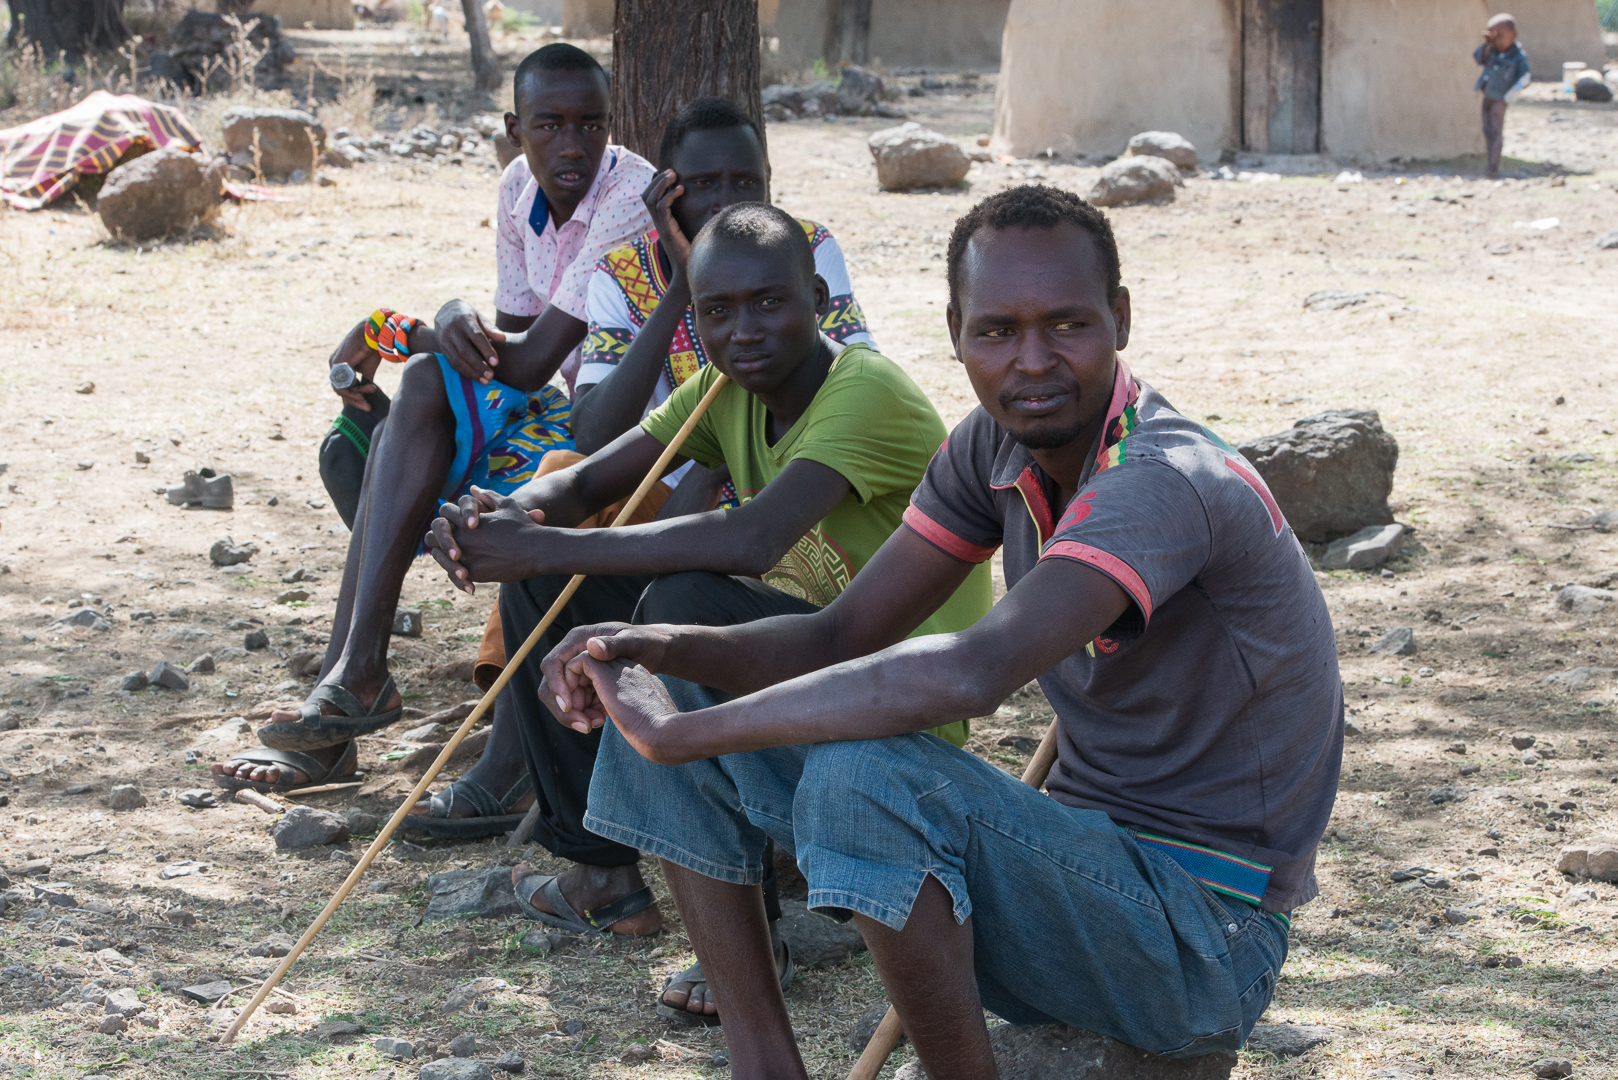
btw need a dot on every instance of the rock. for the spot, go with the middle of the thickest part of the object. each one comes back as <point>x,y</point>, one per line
<point>1582,600</point>
<point>1519,742</point>
<point>1456,747</point>
<point>1400,641</point>
<point>859,92</point>
<point>860,1032</point>
<point>202,665</point>
<point>1457,917</point>
<point>1288,1040</point>
<point>1330,473</point>
<point>1594,858</point>
<point>305,665</point>
<point>538,942</point>
<point>341,156</point>
<point>180,917</point>
<point>164,193</point>
<point>459,671</point>
<point>292,596</point>
<point>284,1008</point>
<point>228,553</point>
<point>1177,149</point>
<point>815,939</point>
<point>228,733</point>
<point>910,156</point>
<point>331,1028</point>
<point>169,677</point>
<point>1607,241</point>
<point>32,868</point>
<point>207,993</point>
<point>1059,1052</point>
<point>1131,180</point>
<point>276,142</point>
<point>1366,549</point>
<point>305,827</point>
<point>407,622</point>
<point>85,617</point>
<point>639,1054</point>
<point>486,893</point>
<point>790,98</point>
<point>361,823</point>
<point>463,1046</point>
<point>125,797</point>
<point>255,640</point>
<point>1552,1068</point>
<point>1591,90</point>
<point>112,1025</point>
<point>274,945</point>
<point>398,1049</point>
<point>77,789</point>
<point>1434,881</point>
<point>125,1002</point>
<point>425,733</point>
<point>468,993</point>
<point>510,1062</point>
<point>1581,678</point>
<point>135,680</point>
<point>1446,794</point>
<point>453,1068</point>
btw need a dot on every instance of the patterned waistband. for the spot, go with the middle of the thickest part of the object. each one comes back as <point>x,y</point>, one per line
<point>1223,873</point>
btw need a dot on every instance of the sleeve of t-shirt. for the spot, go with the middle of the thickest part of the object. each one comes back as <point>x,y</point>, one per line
<point>702,445</point>
<point>869,432</point>
<point>1143,525</point>
<point>953,506</point>
<point>610,328</point>
<point>843,322</point>
<point>619,217</point>
<point>512,293</point>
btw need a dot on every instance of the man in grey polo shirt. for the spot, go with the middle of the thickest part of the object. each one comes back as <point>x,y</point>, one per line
<point>1172,620</point>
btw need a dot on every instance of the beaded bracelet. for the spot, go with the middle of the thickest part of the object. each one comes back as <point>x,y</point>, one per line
<point>388,332</point>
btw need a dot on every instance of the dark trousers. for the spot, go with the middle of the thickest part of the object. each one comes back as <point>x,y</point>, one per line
<point>1494,131</point>
<point>560,760</point>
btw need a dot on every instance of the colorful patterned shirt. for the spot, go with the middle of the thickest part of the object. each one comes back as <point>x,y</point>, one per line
<point>538,264</point>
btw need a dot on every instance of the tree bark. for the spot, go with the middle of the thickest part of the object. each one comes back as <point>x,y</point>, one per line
<point>73,27</point>
<point>848,32</point>
<point>667,52</point>
<point>485,68</point>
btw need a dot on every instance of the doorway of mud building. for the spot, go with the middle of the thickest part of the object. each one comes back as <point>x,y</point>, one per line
<point>1281,76</point>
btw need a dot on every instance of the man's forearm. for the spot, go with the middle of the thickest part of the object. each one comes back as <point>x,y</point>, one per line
<point>530,362</point>
<point>614,404</point>
<point>710,541</point>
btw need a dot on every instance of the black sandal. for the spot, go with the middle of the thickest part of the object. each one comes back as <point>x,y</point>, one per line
<point>597,921</point>
<point>494,816</point>
<point>314,730</point>
<point>343,769</point>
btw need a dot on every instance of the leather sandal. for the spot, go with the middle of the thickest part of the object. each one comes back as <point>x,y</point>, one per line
<point>493,817</point>
<point>593,922</point>
<point>342,769</point>
<point>315,730</point>
<point>693,974</point>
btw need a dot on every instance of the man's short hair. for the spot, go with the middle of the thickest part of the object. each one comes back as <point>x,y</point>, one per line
<point>1502,19</point>
<point>1033,206</point>
<point>703,114</point>
<point>762,225</point>
<point>557,56</point>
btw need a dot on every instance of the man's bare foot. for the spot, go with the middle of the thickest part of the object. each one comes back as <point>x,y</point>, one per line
<point>272,774</point>
<point>693,996</point>
<point>588,888</point>
<point>497,774</point>
<point>361,685</point>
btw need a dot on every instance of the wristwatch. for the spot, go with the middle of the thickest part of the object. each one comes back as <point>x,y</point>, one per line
<point>343,376</point>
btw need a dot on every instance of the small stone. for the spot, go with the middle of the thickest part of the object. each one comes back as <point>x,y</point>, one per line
<point>486,893</point>
<point>202,665</point>
<point>1131,180</point>
<point>453,1068</point>
<point>639,1054</point>
<point>1176,148</point>
<point>1469,873</point>
<point>292,596</point>
<point>207,993</point>
<point>910,156</point>
<point>1434,881</point>
<point>1521,742</point>
<point>1471,768</point>
<point>1366,549</point>
<point>426,733</point>
<point>861,1031</point>
<point>85,617</point>
<point>538,942</point>
<point>169,677</point>
<point>1456,747</point>
<point>180,917</point>
<point>255,640</point>
<point>817,940</point>
<point>1530,758</point>
<point>1456,917</point>
<point>227,552</point>
<point>1412,873</point>
<point>407,622</point>
<point>1489,852</point>
<point>510,1062</point>
<point>135,680</point>
<point>397,1049</point>
<point>1400,641</point>
<point>305,665</point>
<point>1446,794</point>
<point>274,945</point>
<point>1582,600</point>
<point>1288,1040</point>
<point>85,851</point>
<point>77,789</point>
<point>330,1028</point>
<point>360,822</point>
<point>125,1002</point>
<point>378,886</point>
<point>1351,729</point>
<point>112,1025</point>
<point>463,1046</point>
<point>125,797</point>
<point>294,577</point>
<point>228,733</point>
<point>305,827</point>
<point>281,1007</point>
<point>572,1027</point>
<point>1552,1068</point>
<point>1594,858</point>
<point>468,993</point>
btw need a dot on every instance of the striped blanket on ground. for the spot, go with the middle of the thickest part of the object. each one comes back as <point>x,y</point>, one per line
<point>43,159</point>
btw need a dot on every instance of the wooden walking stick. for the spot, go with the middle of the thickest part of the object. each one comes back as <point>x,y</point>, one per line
<point>483,705</point>
<point>889,1031</point>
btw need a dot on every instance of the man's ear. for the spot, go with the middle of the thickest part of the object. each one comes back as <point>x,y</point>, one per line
<point>953,319</point>
<point>1120,318</point>
<point>822,298</point>
<point>511,128</point>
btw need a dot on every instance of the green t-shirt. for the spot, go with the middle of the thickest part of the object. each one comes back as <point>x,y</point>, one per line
<point>870,423</point>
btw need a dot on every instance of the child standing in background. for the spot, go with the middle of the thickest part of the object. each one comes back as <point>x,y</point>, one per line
<point>1505,73</point>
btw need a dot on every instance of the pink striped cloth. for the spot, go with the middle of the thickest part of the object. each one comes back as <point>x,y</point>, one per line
<point>43,159</point>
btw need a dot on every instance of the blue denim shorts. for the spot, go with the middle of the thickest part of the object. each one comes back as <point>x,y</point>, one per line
<point>1072,921</point>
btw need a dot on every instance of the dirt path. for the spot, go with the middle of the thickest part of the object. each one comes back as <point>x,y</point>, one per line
<point>1489,369</point>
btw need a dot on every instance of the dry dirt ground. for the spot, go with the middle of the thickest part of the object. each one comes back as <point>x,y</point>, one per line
<point>1486,346</point>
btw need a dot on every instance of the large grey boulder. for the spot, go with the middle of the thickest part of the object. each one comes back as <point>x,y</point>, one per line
<point>164,193</point>
<point>1059,1052</point>
<point>1174,148</point>
<point>910,156</point>
<point>860,91</point>
<point>1331,473</point>
<point>287,140</point>
<point>1131,180</point>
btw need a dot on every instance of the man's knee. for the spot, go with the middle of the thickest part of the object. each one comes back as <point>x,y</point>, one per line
<point>421,386</point>
<point>686,597</point>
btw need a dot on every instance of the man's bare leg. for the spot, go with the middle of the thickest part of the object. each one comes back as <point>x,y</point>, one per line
<point>926,969</point>
<point>407,468</point>
<point>731,937</point>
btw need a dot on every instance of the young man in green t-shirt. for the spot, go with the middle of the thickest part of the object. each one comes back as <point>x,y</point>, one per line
<point>824,448</point>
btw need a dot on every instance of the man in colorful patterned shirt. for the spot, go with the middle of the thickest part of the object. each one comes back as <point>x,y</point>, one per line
<point>1170,616</point>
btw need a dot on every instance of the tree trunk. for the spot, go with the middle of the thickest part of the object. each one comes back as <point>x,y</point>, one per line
<point>848,32</point>
<point>73,27</point>
<point>667,52</point>
<point>485,68</point>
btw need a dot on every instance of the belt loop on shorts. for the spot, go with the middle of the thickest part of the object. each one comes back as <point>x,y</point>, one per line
<point>1240,878</point>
